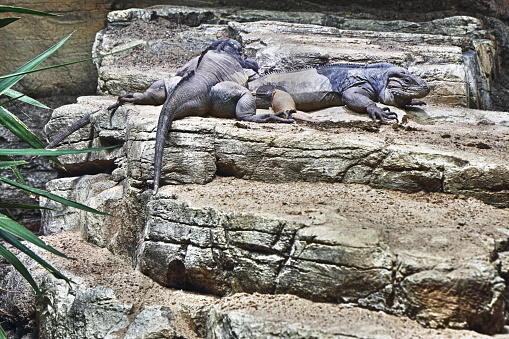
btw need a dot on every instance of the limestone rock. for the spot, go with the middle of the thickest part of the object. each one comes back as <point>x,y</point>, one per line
<point>81,312</point>
<point>286,316</point>
<point>216,251</point>
<point>455,293</point>
<point>108,299</point>
<point>198,148</point>
<point>80,189</point>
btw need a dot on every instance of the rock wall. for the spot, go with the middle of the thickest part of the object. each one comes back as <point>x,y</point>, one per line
<point>204,237</point>
<point>108,299</point>
<point>294,215</point>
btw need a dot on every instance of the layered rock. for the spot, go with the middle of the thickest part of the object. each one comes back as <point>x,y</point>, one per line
<point>317,247</point>
<point>107,298</point>
<point>309,210</point>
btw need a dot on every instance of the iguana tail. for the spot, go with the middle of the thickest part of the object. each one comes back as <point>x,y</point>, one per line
<point>71,129</point>
<point>163,126</point>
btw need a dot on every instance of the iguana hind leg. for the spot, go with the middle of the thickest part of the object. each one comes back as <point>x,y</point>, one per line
<point>231,100</point>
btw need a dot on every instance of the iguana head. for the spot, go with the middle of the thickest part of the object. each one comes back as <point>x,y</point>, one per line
<point>402,86</point>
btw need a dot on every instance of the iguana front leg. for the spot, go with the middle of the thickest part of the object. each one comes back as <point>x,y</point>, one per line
<point>359,100</point>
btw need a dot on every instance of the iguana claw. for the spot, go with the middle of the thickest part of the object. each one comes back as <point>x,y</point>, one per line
<point>382,114</point>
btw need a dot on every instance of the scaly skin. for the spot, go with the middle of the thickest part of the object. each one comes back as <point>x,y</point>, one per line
<point>358,87</point>
<point>157,93</point>
<point>218,87</point>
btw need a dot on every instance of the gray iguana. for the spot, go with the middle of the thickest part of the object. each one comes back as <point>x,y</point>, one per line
<point>214,83</point>
<point>357,86</point>
<point>217,86</point>
<point>157,92</point>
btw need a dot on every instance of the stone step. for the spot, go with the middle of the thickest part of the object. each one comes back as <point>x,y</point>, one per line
<point>457,158</point>
<point>414,255</point>
<point>107,298</point>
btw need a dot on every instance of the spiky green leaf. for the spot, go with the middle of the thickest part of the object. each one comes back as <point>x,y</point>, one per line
<point>11,9</point>
<point>14,169</point>
<point>23,206</point>
<point>6,21</point>
<point>50,152</point>
<point>18,265</point>
<point>52,196</point>
<point>11,79</point>
<point>22,97</point>
<point>23,73</point>
<point>12,163</point>
<point>11,226</point>
<point>23,248</point>
<point>19,129</point>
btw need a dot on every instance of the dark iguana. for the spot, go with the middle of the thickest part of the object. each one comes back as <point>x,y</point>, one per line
<point>217,86</point>
<point>157,92</point>
<point>356,86</point>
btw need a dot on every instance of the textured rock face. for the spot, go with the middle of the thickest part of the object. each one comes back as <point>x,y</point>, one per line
<point>198,148</point>
<point>284,224</point>
<point>108,299</point>
<point>221,253</point>
<point>318,255</point>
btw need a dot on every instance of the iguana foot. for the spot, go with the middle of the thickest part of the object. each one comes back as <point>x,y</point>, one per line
<point>287,113</point>
<point>382,114</point>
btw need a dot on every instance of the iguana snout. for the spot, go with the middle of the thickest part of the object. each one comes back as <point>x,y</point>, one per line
<point>402,87</point>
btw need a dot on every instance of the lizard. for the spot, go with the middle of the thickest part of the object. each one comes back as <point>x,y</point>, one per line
<point>214,83</point>
<point>359,87</point>
<point>218,87</point>
<point>157,93</point>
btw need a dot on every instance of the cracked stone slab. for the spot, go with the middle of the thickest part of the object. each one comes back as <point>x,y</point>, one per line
<point>452,157</point>
<point>327,256</point>
<point>108,298</point>
<point>198,148</point>
<point>309,239</point>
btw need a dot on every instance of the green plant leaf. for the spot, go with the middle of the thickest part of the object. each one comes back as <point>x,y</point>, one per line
<point>12,163</point>
<point>52,196</point>
<point>22,97</point>
<point>16,229</point>
<point>50,152</point>
<point>23,73</point>
<point>17,75</point>
<point>20,246</point>
<point>23,206</point>
<point>6,21</point>
<point>11,9</point>
<point>3,335</point>
<point>14,169</point>
<point>19,129</point>
<point>18,265</point>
